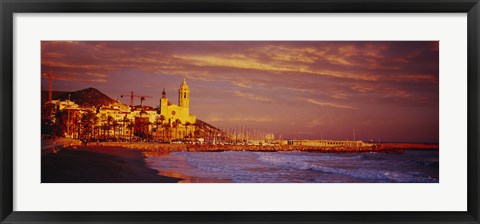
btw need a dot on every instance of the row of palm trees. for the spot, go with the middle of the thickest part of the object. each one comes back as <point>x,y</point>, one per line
<point>108,128</point>
<point>88,125</point>
<point>172,130</point>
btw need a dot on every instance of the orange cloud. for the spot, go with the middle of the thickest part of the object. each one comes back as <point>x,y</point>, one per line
<point>418,78</point>
<point>329,104</point>
<point>251,63</point>
<point>251,96</point>
<point>76,79</point>
<point>382,90</point>
<point>58,64</point>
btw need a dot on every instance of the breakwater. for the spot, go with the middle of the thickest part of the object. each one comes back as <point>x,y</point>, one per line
<point>274,148</point>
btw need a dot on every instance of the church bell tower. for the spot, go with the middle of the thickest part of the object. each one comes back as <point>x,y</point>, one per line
<point>184,95</point>
<point>163,103</point>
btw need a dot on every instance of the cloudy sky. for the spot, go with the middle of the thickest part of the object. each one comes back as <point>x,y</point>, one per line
<point>385,91</point>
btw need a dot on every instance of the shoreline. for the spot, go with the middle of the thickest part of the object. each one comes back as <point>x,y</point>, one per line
<point>192,179</point>
<point>99,164</point>
<point>119,164</point>
<point>174,166</point>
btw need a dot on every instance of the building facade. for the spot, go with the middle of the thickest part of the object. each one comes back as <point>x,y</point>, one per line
<point>175,120</point>
<point>177,113</point>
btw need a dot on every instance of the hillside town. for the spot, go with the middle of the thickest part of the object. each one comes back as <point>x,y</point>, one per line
<point>112,120</point>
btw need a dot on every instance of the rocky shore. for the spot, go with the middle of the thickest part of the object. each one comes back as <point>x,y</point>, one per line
<point>387,148</point>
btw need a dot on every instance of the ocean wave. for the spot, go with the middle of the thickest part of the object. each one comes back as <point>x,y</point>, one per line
<point>360,173</point>
<point>297,167</point>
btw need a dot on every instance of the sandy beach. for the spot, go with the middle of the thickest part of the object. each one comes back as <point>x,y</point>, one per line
<point>99,164</point>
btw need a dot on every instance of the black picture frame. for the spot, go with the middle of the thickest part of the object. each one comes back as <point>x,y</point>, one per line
<point>9,7</point>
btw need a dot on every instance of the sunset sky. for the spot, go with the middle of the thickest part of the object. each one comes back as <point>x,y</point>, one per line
<point>387,91</point>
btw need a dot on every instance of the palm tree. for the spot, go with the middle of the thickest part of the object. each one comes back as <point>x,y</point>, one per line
<point>178,122</point>
<point>109,125</point>
<point>174,127</point>
<point>115,125</point>
<point>88,123</point>
<point>130,127</point>
<point>96,131</point>
<point>150,130</point>
<point>124,121</point>
<point>162,119</point>
<point>186,128</point>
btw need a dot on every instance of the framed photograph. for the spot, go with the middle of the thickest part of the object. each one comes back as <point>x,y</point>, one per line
<point>262,112</point>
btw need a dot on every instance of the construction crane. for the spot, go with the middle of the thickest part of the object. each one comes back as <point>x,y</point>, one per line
<point>132,95</point>
<point>50,77</point>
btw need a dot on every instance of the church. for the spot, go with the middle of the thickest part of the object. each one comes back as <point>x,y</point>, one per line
<point>177,118</point>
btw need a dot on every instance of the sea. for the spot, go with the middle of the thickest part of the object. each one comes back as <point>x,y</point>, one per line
<point>411,166</point>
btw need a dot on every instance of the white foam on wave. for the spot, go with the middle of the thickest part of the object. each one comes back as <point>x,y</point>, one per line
<point>290,167</point>
<point>299,162</point>
<point>230,165</point>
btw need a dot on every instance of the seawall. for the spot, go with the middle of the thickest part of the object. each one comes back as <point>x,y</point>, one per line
<point>208,147</point>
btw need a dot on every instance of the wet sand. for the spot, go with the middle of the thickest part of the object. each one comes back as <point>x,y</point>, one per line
<point>99,164</point>
<point>191,179</point>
